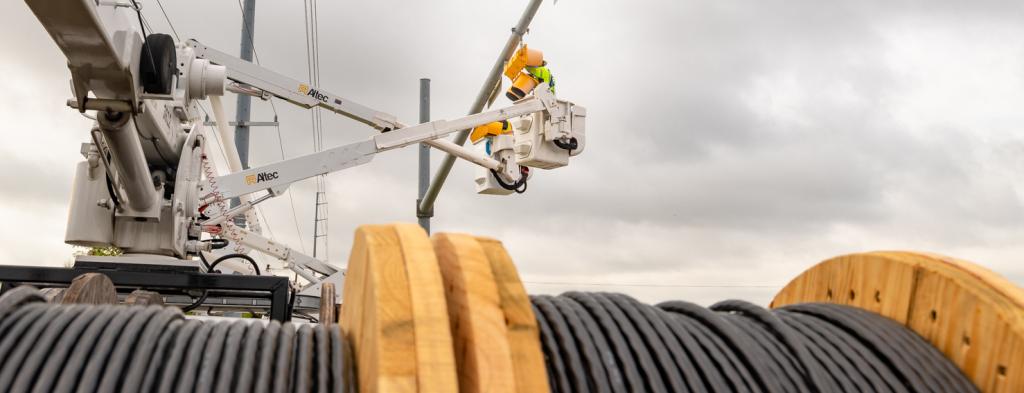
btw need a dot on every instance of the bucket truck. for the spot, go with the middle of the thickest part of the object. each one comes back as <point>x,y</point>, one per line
<point>147,184</point>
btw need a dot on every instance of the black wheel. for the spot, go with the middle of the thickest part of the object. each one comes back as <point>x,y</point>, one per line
<point>157,65</point>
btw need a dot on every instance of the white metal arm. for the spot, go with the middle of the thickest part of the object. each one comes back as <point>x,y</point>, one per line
<point>283,173</point>
<point>253,79</point>
<point>267,83</point>
<point>298,262</point>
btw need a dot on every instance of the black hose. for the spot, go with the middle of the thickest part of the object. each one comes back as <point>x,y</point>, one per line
<point>197,303</point>
<point>571,145</point>
<point>223,258</point>
<point>519,186</point>
<point>110,191</point>
<point>209,269</point>
<point>206,264</point>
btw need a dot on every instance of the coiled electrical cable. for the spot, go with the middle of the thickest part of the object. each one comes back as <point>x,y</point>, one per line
<point>85,348</point>
<point>733,346</point>
<point>592,342</point>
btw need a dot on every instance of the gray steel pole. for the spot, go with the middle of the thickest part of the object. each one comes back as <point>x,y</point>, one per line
<point>424,170</point>
<point>243,107</point>
<point>427,202</point>
<point>244,101</point>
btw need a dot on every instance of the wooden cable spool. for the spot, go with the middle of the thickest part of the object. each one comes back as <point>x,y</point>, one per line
<point>451,314</point>
<point>974,316</point>
<point>90,288</point>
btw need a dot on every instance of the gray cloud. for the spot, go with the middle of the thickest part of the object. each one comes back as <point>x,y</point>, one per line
<point>728,143</point>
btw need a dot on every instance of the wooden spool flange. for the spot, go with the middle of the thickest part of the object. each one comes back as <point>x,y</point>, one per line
<point>497,344</point>
<point>395,314</point>
<point>445,315</point>
<point>974,316</point>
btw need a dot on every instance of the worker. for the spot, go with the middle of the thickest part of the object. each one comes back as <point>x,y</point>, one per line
<point>543,75</point>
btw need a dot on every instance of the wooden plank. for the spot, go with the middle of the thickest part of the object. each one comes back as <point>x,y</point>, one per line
<point>327,304</point>
<point>477,320</point>
<point>435,356</point>
<point>974,316</point>
<point>523,334</point>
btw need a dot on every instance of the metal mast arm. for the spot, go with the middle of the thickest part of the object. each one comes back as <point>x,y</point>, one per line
<point>255,80</point>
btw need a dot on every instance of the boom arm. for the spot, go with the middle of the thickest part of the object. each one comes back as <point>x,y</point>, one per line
<point>281,174</point>
<point>252,79</point>
<point>302,264</point>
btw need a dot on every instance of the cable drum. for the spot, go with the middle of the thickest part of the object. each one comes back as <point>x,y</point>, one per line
<point>733,346</point>
<point>85,348</point>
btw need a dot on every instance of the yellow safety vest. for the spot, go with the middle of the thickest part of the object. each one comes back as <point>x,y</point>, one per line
<point>543,74</point>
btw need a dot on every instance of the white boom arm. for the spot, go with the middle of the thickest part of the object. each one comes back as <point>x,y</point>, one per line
<point>277,176</point>
<point>281,174</point>
<point>251,79</point>
<point>298,262</point>
<point>254,80</point>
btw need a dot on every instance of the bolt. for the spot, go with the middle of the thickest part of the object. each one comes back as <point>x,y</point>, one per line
<point>104,203</point>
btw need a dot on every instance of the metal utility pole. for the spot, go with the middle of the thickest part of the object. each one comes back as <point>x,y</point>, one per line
<point>427,202</point>
<point>244,101</point>
<point>243,105</point>
<point>424,172</point>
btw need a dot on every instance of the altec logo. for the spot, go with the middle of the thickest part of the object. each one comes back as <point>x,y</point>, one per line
<point>304,89</point>
<point>260,177</point>
<point>318,95</point>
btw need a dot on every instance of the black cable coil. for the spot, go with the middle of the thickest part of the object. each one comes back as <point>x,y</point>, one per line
<point>592,342</point>
<point>605,342</point>
<point>108,348</point>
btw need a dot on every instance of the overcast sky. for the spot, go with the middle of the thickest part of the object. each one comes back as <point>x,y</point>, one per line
<point>730,145</point>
